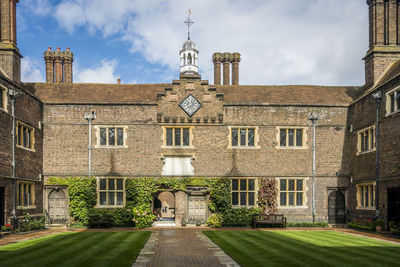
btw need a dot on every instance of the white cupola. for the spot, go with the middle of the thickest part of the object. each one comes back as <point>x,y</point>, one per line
<point>189,54</point>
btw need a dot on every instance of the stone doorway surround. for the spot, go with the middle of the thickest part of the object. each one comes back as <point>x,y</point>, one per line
<point>56,204</point>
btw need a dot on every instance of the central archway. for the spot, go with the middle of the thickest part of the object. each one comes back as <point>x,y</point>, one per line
<point>164,206</point>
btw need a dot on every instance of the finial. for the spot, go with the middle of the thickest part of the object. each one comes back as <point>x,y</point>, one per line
<point>189,22</point>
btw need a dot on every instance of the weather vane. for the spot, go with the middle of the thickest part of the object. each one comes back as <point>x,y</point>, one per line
<point>189,22</point>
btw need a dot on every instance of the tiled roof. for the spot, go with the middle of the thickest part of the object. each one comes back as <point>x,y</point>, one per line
<point>81,93</point>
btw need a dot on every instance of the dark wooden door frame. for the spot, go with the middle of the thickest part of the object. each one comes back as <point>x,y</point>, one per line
<point>2,207</point>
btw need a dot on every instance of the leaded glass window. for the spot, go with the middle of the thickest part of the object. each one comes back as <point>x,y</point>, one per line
<point>243,192</point>
<point>120,136</point>
<point>366,139</point>
<point>111,192</point>
<point>24,135</point>
<point>291,192</point>
<point>235,141</point>
<point>243,137</point>
<point>250,139</point>
<point>291,137</point>
<point>177,136</point>
<point>25,194</point>
<point>111,136</point>
<point>103,136</point>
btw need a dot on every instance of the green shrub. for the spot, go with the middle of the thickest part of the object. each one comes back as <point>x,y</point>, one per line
<point>215,220</point>
<point>122,217</point>
<point>142,216</point>
<point>378,222</point>
<point>307,224</point>
<point>29,224</point>
<point>368,226</point>
<point>239,217</point>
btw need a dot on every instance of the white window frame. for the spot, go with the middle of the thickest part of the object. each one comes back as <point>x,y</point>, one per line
<point>304,191</point>
<point>245,191</point>
<point>98,205</point>
<point>362,203</point>
<point>287,128</point>
<point>125,136</point>
<point>396,109</point>
<point>31,136</point>
<point>371,142</point>
<point>246,146</point>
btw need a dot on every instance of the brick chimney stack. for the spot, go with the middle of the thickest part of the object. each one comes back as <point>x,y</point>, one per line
<point>235,68</point>
<point>226,61</point>
<point>217,68</point>
<point>58,65</point>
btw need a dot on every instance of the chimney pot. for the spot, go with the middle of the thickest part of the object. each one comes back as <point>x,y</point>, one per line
<point>67,48</point>
<point>49,48</point>
<point>58,49</point>
<point>119,81</point>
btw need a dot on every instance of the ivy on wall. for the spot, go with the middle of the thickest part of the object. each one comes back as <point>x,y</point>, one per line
<point>267,196</point>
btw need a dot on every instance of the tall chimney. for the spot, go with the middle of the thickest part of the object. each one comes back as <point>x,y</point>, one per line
<point>217,68</point>
<point>235,68</point>
<point>49,59</point>
<point>227,63</point>
<point>68,59</point>
<point>58,65</point>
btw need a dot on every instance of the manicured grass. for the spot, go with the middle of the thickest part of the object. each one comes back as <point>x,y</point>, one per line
<point>76,249</point>
<point>304,248</point>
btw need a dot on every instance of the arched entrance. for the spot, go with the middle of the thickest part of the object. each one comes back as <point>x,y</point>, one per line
<point>164,206</point>
<point>336,207</point>
<point>58,207</point>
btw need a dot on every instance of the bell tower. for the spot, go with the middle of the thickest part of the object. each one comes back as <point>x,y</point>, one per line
<point>384,38</point>
<point>10,57</point>
<point>189,55</point>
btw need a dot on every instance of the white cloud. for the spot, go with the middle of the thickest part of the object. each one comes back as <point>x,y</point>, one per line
<point>31,70</point>
<point>103,73</point>
<point>39,7</point>
<point>281,41</point>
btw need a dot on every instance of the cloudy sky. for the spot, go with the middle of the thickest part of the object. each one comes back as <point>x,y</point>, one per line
<point>281,41</point>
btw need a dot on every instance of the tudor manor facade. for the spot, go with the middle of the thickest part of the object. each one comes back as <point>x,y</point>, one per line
<point>194,128</point>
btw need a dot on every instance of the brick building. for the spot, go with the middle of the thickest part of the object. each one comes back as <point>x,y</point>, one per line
<point>190,127</point>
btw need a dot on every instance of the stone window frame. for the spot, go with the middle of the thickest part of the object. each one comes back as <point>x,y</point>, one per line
<point>393,104</point>
<point>247,191</point>
<point>97,133</point>
<point>107,190</point>
<point>256,137</point>
<point>304,191</point>
<point>19,142</point>
<point>24,186</point>
<point>164,137</point>
<point>371,141</point>
<point>366,196</point>
<point>3,98</point>
<point>287,128</point>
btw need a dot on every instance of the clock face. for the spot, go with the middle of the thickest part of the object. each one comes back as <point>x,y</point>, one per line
<point>190,105</point>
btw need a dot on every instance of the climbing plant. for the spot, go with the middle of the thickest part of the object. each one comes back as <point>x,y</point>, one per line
<point>267,196</point>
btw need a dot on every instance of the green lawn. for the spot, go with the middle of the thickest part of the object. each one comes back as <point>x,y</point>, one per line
<point>304,248</point>
<point>76,249</point>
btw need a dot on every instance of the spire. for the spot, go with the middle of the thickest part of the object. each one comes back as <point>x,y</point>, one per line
<point>189,22</point>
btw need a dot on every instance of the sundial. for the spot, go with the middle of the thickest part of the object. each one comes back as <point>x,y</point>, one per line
<point>190,105</point>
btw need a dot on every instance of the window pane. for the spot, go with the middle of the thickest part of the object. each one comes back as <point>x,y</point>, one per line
<point>362,142</point>
<point>120,136</point>
<point>243,184</point>
<point>291,185</point>
<point>111,136</point>
<point>234,137</point>
<point>102,184</point>
<point>251,185</point>
<point>242,137</point>
<point>111,184</point>
<point>120,198</point>
<point>283,137</point>
<point>283,199</point>
<point>29,195</point>
<point>299,137</point>
<point>25,195</point>
<point>362,196</point>
<point>20,194</point>
<point>103,198</point>
<point>371,190</point>
<point>185,136</point>
<point>291,137</point>
<point>235,200</point>
<point>250,141</point>
<point>1,99</point>
<point>243,198</point>
<point>392,102</point>
<point>177,136</point>
<point>283,185</point>
<point>366,141</point>
<point>366,196</point>
<point>24,136</point>
<point>28,138</point>
<point>291,199</point>
<point>120,184</point>
<point>235,185</point>
<point>169,137</point>
<point>103,139</point>
<point>19,135</point>
<point>111,198</point>
<point>251,198</point>
<point>398,100</point>
<point>299,185</point>
<point>299,199</point>
<point>372,139</point>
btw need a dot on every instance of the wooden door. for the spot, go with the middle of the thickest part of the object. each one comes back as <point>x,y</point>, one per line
<point>196,209</point>
<point>57,207</point>
<point>336,207</point>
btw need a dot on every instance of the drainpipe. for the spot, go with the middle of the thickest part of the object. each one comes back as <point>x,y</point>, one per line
<point>378,99</point>
<point>313,118</point>
<point>90,117</point>
<point>13,95</point>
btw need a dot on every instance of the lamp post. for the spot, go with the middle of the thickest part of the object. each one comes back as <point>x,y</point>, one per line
<point>13,95</point>
<point>378,99</point>
<point>90,117</point>
<point>313,118</point>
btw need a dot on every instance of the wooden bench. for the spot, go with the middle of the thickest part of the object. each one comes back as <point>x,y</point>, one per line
<point>272,219</point>
<point>100,221</point>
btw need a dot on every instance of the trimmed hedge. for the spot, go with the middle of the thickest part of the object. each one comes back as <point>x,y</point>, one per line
<point>307,224</point>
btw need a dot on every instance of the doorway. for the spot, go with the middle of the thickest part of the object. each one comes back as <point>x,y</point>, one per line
<point>164,206</point>
<point>2,207</point>
<point>394,204</point>
<point>57,207</point>
<point>196,209</point>
<point>336,207</point>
